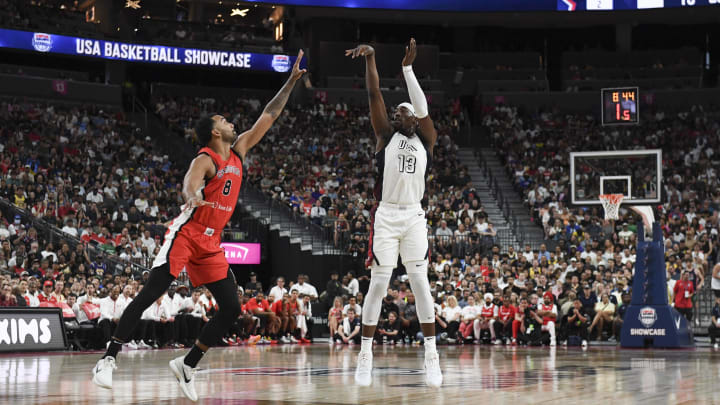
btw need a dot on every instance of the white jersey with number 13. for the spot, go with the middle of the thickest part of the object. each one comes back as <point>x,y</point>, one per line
<point>402,166</point>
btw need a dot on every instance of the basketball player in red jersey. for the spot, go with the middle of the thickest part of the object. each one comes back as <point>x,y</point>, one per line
<point>548,311</point>
<point>506,314</point>
<point>192,242</point>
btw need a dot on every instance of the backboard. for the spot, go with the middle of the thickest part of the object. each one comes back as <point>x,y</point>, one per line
<point>637,174</point>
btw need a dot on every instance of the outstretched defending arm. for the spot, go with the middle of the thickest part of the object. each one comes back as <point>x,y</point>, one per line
<point>417,97</point>
<point>378,112</point>
<point>272,111</point>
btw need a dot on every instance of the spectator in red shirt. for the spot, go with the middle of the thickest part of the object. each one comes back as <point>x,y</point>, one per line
<point>306,204</point>
<point>683,293</point>
<point>485,270</point>
<point>66,209</point>
<point>46,295</point>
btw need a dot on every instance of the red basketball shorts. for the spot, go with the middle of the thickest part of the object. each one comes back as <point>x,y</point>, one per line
<point>196,249</point>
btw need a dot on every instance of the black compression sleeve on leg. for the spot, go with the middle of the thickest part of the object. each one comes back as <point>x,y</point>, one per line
<point>225,293</point>
<point>158,282</point>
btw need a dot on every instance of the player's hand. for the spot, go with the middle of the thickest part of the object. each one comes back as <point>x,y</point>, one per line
<point>296,71</point>
<point>410,53</point>
<point>195,202</point>
<point>361,50</point>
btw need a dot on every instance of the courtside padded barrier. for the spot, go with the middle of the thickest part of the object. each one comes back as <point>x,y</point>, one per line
<point>650,321</point>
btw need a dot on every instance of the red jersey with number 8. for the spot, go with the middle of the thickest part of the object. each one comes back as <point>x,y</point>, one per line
<point>192,241</point>
<point>221,190</point>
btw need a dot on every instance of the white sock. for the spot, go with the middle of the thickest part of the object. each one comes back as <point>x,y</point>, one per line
<point>366,344</point>
<point>430,344</point>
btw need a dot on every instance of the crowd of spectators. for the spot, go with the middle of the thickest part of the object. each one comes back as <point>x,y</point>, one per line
<point>89,173</point>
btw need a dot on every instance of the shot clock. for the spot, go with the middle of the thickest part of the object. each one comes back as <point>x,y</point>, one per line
<point>620,106</point>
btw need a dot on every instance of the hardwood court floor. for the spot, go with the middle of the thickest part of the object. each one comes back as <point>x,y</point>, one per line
<point>320,374</point>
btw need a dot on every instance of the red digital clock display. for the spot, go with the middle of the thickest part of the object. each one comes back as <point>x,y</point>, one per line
<point>620,106</point>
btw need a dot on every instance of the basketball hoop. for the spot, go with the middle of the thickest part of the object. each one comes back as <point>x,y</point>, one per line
<point>611,203</point>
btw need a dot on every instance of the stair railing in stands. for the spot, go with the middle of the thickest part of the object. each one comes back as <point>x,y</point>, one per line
<point>279,212</point>
<point>54,235</point>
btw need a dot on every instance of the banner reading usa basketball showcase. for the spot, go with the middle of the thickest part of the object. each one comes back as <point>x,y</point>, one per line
<point>98,48</point>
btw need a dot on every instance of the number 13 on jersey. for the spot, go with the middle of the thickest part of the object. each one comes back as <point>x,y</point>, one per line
<point>406,163</point>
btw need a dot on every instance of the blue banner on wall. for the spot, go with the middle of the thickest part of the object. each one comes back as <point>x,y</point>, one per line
<point>98,48</point>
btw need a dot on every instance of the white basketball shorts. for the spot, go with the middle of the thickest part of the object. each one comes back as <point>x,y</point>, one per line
<point>397,229</point>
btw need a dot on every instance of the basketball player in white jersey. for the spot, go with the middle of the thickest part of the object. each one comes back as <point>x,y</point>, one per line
<point>402,154</point>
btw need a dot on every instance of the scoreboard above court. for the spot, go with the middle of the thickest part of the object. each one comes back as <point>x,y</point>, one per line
<point>499,5</point>
<point>620,106</point>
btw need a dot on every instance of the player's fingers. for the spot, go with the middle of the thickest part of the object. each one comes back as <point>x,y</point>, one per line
<point>348,52</point>
<point>299,58</point>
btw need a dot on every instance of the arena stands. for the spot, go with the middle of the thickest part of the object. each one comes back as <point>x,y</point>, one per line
<point>116,194</point>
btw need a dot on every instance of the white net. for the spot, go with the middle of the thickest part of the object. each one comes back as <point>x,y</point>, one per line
<point>611,204</point>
